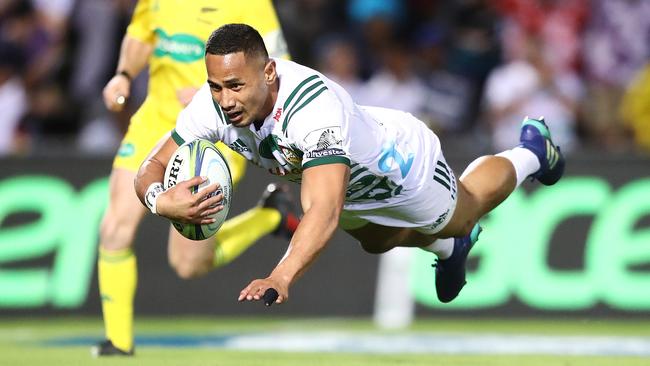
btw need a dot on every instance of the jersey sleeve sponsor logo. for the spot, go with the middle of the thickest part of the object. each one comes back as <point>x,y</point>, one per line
<point>324,142</point>
<point>323,138</point>
<point>314,154</point>
<point>179,47</point>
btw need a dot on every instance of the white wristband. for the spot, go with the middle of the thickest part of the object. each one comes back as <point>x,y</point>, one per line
<point>154,190</point>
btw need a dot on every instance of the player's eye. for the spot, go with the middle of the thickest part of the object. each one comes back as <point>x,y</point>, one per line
<point>237,87</point>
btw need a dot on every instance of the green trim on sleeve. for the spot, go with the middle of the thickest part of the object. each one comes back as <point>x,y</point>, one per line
<point>327,160</point>
<point>177,138</point>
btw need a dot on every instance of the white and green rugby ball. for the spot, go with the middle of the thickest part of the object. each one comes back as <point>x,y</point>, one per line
<point>200,158</point>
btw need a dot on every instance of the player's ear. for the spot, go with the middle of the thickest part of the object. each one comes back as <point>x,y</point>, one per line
<point>269,72</point>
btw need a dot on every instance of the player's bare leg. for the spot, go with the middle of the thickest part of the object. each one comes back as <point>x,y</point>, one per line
<point>190,258</point>
<point>117,270</point>
<point>275,214</point>
<point>486,182</point>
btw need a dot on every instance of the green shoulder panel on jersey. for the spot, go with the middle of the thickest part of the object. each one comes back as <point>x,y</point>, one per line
<point>177,138</point>
<point>327,160</point>
<point>307,87</point>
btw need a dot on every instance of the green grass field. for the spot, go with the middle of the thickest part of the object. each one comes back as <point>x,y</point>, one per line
<point>31,341</point>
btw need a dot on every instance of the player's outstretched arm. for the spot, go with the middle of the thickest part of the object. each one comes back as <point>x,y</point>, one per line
<point>178,203</point>
<point>322,196</point>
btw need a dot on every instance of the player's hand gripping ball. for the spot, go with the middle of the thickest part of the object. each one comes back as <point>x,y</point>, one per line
<point>200,158</point>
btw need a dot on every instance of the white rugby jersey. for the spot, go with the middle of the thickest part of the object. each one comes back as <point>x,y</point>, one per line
<point>315,122</point>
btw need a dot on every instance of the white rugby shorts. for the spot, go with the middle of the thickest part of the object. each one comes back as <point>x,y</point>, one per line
<point>426,208</point>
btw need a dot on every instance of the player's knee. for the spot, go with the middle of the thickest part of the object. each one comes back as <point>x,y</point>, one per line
<point>189,268</point>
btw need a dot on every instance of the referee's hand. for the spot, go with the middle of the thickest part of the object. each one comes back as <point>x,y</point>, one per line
<point>116,92</point>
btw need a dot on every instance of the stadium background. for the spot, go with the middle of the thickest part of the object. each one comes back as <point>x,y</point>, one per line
<point>578,252</point>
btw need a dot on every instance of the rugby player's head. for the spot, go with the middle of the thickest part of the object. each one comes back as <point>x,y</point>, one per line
<point>233,38</point>
<point>241,75</point>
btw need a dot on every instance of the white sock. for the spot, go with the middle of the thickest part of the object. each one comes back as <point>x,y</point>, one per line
<point>441,247</point>
<point>524,161</point>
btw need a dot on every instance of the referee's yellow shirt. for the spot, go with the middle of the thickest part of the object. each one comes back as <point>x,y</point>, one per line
<point>178,30</point>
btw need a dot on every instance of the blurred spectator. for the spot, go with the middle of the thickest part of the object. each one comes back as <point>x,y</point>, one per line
<point>98,25</point>
<point>458,54</point>
<point>338,60</point>
<point>531,86</point>
<point>304,21</point>
<point>557,23</point>
<point>395,85</point>
<point>40,27</point>
<point>67,49</point>
<point>635,108</point>
<point>616,46</point>
<point>448,94</point>
<point>13,98</point>
<point>375,24</point>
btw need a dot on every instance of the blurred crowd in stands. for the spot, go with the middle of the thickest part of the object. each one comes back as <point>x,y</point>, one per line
<point>471,69</point>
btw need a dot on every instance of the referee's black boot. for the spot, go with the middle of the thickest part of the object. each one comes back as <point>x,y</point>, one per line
<point>106,348</point>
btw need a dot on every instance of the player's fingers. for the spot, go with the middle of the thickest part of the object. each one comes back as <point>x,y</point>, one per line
<point>281,298</point>
<point>194,181</point>
<point>244,293</point>
<point>211,211</point>
<point>260,291</point>
<point>210,202</point>
<point>257,288</point>
<point>204,221</point>
<point>207,191</point>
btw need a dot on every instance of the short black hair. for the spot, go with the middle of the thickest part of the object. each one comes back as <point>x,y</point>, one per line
<point>235,37</point>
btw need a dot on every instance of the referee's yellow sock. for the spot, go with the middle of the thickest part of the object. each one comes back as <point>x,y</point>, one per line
<point>118,277</point>
<point>239,233</point>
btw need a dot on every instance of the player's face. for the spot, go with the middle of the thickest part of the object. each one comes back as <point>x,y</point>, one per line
<point>241,86</point>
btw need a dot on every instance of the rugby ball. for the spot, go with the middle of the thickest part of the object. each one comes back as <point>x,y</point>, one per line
<point>200,158</point>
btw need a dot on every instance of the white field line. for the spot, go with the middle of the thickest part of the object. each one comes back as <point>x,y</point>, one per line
<point>442,343</point>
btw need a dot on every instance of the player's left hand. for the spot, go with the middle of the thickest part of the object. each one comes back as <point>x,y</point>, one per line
<point>255,290</point>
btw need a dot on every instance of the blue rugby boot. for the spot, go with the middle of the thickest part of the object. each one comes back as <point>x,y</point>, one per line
<point>450,272</point>
<point>536,137</point>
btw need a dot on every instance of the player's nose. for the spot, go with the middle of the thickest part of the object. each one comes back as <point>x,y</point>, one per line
<point>227,101</point>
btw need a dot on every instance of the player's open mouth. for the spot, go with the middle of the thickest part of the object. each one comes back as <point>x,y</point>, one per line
<point>235,116</point>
